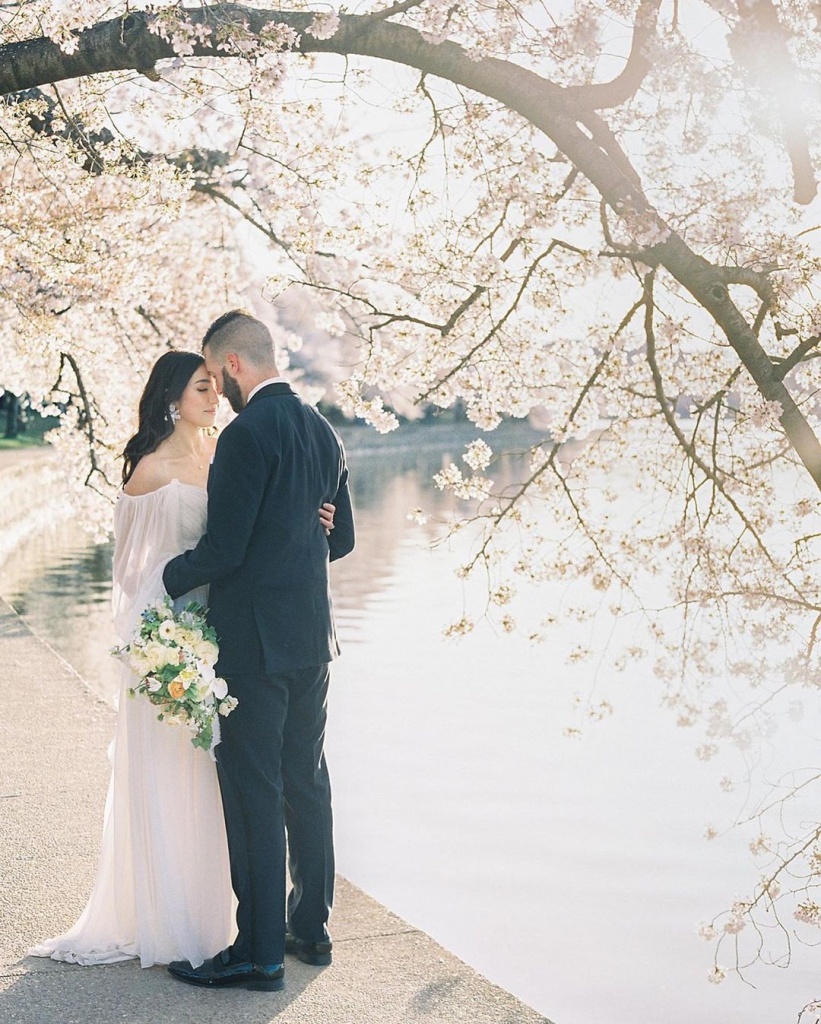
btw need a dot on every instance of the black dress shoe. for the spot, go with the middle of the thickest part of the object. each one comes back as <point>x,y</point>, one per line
<point>220,970</point>
<point>317,954</point>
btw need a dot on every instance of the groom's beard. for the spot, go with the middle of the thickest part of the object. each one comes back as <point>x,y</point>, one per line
<point>230,388</point>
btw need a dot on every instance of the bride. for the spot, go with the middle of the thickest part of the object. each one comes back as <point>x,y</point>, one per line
<point>163,887</point>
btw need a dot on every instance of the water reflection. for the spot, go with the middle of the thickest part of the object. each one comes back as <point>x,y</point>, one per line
<point>392,475</point>
<point>60,581</point>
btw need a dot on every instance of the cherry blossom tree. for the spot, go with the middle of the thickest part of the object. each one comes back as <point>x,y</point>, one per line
<point>600,214</point>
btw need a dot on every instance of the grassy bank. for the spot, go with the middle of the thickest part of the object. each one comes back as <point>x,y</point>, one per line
<point>32,437</point>
<point>21,441</point>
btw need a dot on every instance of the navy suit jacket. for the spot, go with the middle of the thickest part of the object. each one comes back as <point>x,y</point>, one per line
<point>265,553</point>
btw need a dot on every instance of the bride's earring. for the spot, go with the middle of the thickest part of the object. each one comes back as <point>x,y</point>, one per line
<point>173,412</point>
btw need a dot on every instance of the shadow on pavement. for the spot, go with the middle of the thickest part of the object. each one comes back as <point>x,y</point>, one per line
<point>47,992</point>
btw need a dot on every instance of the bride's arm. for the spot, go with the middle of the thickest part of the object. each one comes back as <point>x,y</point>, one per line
<point>341,541</point>
<point>326,517</point>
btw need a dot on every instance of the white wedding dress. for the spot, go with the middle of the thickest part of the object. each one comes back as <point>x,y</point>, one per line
<point>163,886</point>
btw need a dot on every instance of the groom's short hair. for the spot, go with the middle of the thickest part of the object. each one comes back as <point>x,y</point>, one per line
<point>240,331</point>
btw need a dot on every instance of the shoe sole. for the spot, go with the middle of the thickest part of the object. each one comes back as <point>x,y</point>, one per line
<point>293,947</point>
<point>314,959</point>
<point>255,983</point>
<point>265,984</point>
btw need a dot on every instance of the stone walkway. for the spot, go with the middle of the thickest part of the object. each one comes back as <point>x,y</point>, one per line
<point>53,775</point>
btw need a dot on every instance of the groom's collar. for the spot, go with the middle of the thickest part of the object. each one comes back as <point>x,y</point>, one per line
<point>264,384</point>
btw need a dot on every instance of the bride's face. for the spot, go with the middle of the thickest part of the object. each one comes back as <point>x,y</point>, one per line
<point>199,402</point>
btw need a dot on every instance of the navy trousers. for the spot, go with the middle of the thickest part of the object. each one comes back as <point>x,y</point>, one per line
<point>273,779</point>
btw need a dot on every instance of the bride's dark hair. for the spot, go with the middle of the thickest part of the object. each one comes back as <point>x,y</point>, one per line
<point>168,379</point>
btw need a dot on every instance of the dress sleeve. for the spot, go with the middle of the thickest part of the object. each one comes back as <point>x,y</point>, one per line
<point>143,543</point>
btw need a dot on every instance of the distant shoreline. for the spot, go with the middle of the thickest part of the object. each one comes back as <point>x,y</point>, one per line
<point>516,433</point>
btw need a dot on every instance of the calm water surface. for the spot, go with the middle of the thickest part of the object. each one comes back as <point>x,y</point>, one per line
<point>573,874</point>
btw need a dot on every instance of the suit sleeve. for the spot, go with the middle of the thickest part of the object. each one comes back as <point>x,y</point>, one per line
<point>341,539</point>
<point>235,490</point>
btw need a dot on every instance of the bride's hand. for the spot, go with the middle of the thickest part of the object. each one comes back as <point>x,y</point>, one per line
<point>326,516</point>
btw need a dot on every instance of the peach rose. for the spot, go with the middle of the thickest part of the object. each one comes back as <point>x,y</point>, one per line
<point>176,689</point>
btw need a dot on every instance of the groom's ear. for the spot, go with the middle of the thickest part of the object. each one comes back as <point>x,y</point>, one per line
<point>232,362</point>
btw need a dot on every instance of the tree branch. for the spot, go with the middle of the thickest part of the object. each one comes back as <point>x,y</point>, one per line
<point>85,420</point>
<point>627,82</point>
<point>783,366</point>
<point>688,447</point>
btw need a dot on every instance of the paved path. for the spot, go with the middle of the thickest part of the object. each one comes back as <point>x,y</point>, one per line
<point>53,775</point>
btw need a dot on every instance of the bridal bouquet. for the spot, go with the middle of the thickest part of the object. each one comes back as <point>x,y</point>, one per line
<point>174,654</point>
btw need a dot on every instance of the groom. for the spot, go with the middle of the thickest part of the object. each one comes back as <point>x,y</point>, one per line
<point>265,555</point>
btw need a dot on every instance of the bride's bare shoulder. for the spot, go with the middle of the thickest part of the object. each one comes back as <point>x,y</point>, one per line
<point>151,474</point>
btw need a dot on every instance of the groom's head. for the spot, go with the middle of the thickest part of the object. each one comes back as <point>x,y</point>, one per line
<point>239,352</point>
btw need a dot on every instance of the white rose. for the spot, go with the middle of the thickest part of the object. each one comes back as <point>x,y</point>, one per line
<point>206,651</point>
<point>138,661</point>
<point>156,656</point>
<point>167,630</point>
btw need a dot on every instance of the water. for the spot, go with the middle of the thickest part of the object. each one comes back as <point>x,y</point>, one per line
<point>573,874</point>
